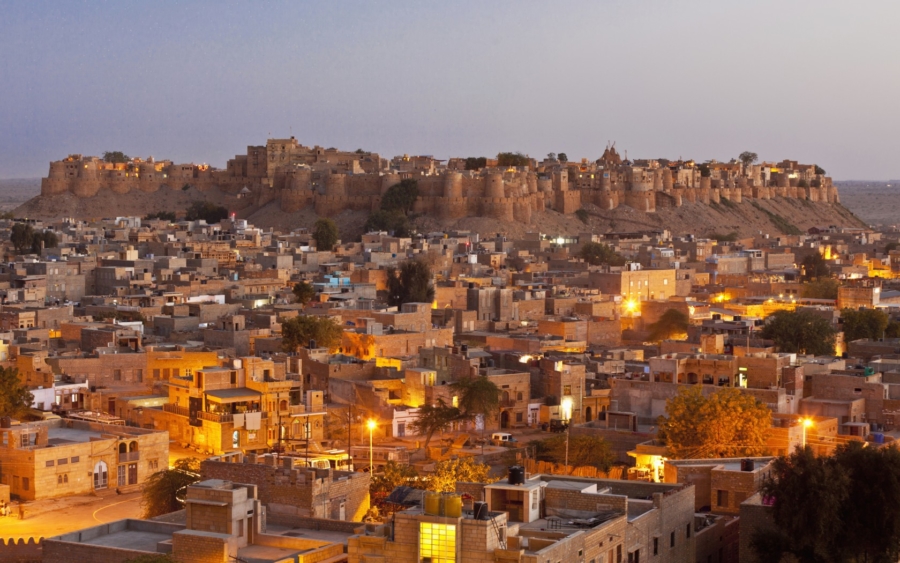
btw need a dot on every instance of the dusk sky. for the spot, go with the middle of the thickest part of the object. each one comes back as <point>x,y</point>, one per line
<point>815,81</point>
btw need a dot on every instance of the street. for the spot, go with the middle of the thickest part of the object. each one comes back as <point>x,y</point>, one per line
<point>71,517</point>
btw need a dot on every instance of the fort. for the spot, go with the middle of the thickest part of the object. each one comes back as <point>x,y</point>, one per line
<point>329,181</point>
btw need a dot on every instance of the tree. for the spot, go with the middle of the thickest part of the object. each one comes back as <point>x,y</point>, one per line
<point>299,331</point>
<point>304,292</point>
<point>727,423</point>
<point>22,236</point>
<point>671,324</point>
<point>392,476</point>
<point>401,197</point>
<point>163,215</point>
<point>449,472</point>
<point>583,215</point>
<point>116,157</point>
<point>476,163</point>
<point>562,157</point>
<point>730,237</point>
<point>410,284</point>
<point>551,156</point>
<point>206,211</point>
<point>596,253</point>
<point>822,288</point>
<point>704,170</point>
<point>894,245</point>
<point>434,419</point>
<point>748,158</point>
<point>161,489</point>
<point>512,159</point>
<point>585,450</point>
<point>814,266</point>
<point>43,239</point>
<point>819,170</point>
<point>801,332</point>
<point>15,398</point>
<point>395,222</point>
<point>478,397</point>
<point>325,233</point>
<point>864,324</point>
<point>845,507</point>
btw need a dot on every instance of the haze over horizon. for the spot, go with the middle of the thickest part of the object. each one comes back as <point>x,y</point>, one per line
<point>808,81</point>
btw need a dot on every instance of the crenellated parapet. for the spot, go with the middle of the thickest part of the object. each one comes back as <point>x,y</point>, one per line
<point>331,181</point>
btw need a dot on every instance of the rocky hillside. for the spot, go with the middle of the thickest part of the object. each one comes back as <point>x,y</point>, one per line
<point>776,216</point>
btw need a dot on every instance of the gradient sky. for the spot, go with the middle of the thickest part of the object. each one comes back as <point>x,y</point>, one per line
<point>815,81</point>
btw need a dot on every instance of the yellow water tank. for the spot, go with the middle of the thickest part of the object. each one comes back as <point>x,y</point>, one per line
<point>433,503</point>
<point>452,505</point>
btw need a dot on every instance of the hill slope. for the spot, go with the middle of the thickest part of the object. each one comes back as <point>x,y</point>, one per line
<point>774,217</point>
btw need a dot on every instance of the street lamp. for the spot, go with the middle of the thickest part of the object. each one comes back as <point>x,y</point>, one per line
<point>805,423</point>
<point>567,416</point>
<point>371,425</point>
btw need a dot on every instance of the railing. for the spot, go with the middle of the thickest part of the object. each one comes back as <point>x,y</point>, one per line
<point>507,403</point>
<point>175,409</point>
<point>129,456</point>
<point>216,416</point>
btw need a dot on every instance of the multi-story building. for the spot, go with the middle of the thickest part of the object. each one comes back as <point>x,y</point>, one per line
<point>57,458</point>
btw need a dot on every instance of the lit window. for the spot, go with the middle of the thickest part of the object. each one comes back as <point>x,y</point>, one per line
<point>437,542</point>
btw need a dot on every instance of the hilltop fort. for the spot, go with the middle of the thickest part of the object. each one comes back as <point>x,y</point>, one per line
<point>329,181</point>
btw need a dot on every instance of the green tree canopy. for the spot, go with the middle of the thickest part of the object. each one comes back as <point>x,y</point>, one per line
<point>478,397</point>
<point>585,450</point>
<point>562,157</point>
<point>163,215</point>
<point>596,253</point>
<point>814,266</point>
<point>161,489</point>
<point>15,398</point>
<point>512,159</point>
<point>394,475</point>
<point>845,507</point>
<point>325,233</point>
<point>434,419</point>
<point>449,472</point>
<point>801,332</point>
<point>820,170</point>
<point>22,236</point>
<point>116,157</point>
<point>748,158</point>
<point>43,239</point>
<point>297,332</point>
<point>673,323</point>
<point>206,211</point>
<point>395,222</point>
<point>727,423</point>
<point>822,288</point>
<point>476,162</point>
<point>865,323</point>
<point>401,197</point>
<point>304,292</point>
<point>410,284</point>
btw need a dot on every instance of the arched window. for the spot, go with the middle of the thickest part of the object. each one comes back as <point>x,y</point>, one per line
<point>283,405</point>
<point>101,475</point>
<point>133,447</point>
<point>123,448</point>
<point>519,396</point>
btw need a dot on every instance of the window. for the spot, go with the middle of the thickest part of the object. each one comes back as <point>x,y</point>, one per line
<point>672,539</point>
<point>117,374</point>
<point>63,461</point>
<point>518,417</point>
<point>687,531</point>
<point>139,375</point>
<point>156,374</point>
<point>25,483</point>
<point>236,439</point>
<point>567,390</point>
<point>120,476</point>
<point>49,463</point>
<point>75,459</point>
<point>721,498</point>
<point>655,546</point>
<point>437,542</point>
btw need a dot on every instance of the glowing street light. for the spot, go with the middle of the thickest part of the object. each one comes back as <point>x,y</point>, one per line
<point>805,423</point>
<point>566,407</point>
<point>371,424</point>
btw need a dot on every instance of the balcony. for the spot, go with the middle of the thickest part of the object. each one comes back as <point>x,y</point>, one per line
<point>129,456</point>
<point>175,409</point>
<point>508,403</point>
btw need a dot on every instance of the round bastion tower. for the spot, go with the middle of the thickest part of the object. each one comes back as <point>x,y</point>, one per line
<point>336,185</point>
<point>493,186</point>
<point>87,180</point>
<point>55,182</point>
<point>149,178</point>
<point>453,185</point>
<point>388,181</point>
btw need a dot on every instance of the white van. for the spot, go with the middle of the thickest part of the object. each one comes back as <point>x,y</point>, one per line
<point>502,438</point>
